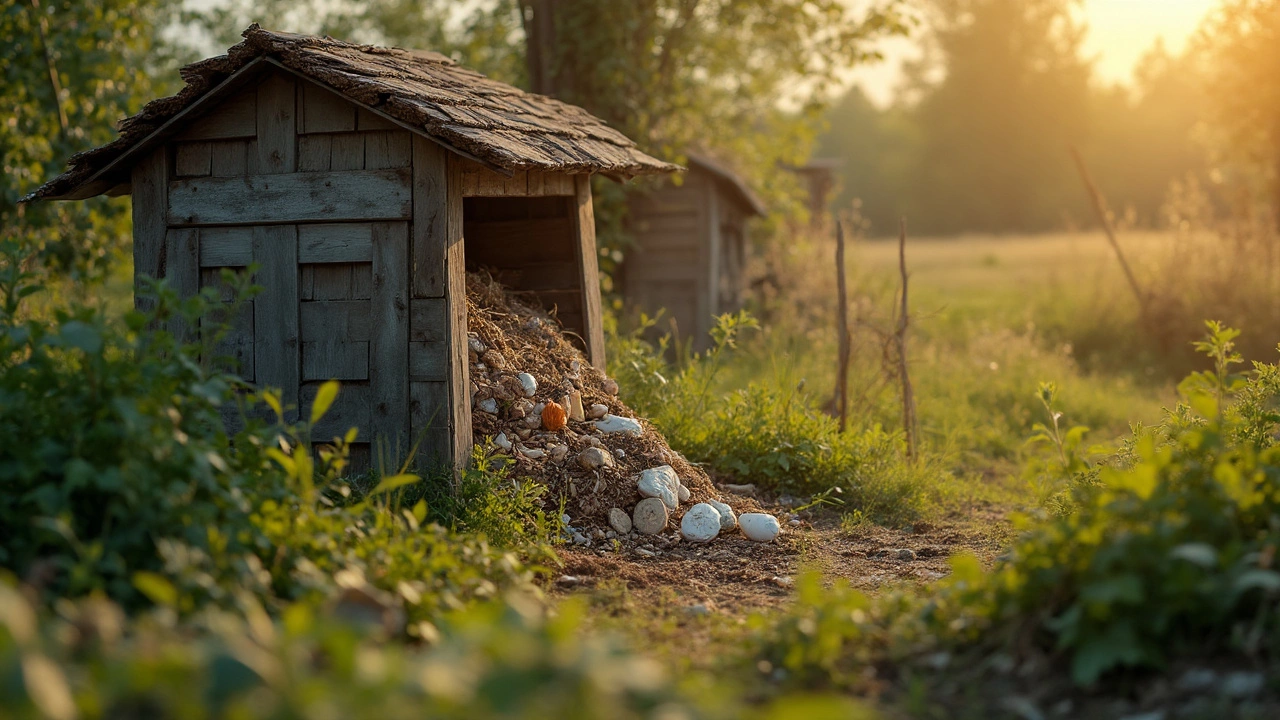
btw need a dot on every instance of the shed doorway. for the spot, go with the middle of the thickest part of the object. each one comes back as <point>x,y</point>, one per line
<point>530,245</point>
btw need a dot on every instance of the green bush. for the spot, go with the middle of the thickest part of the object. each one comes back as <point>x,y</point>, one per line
<point>765,433</point>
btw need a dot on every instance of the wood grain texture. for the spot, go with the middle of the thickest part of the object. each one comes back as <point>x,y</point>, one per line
<point>226,247</point>
<point>350,409</point>
<point>589,273</point>
<point>228,158</point>
<point>277,347</point>
<point>236,117</point>
<point>328,282</point>
<point>459,398</point>
<point>150,200</point>
<point>314,152</point>
<point>428,320</point>
<point>430,217</point>
<point>390,149</point>
<point>429,404</point>
<point>429,361</point>
<point>366,120</point>
<point>513,243</point>
<point>389,343</point>
<point>192,159</point>
<point>343,320</point>
<point>322,111</point>
<point>182,273</point>
<point>335,243</point>
<point>335,360</point>
<point>291,198</point>
<point>347,151</point>
<point>277,126</point>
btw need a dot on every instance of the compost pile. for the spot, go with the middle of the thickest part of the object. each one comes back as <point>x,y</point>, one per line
<point>540,405</point>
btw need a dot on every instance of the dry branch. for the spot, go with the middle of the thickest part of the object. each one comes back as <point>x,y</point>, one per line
<point>842,329</point>
<point>908,393</point>
<point>1104,217</point>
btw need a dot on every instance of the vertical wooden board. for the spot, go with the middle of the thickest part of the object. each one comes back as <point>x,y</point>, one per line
<point>347,152</point>
<point>234,350</point>
<point>589,271</point>
<point>226,247</point>
<point>314,152</point>
<point>332,282</point>
<point>362,281</point>
<point>322,111</point>
<point>429,320</point>
<point>228,158</point>
<point>429,403</point>
<point>335,243</point>
<point>456,299</point>
<point>334,359</point>
<point>389,149</point>
<point>150,206</point>
<point>429,361</point>
<point>366,120</point>
<point>251,157</point>
<point>233,118</point>
<point>277,350</point>
<point>307,282</point>
<point>714,265</point>
<point>192,159</point>
<point>277,131</point>
<point>389,342</point>
<point>431,190</point>
<point>182,258</point>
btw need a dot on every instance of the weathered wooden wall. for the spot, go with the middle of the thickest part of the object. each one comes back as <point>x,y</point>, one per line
<point>357,239</point>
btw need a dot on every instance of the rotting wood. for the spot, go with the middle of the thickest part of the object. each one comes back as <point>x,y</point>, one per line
<point>589,272</point>
<point>389,344</point>
<point>277,344</point>
<point>150,199</point>
<point>292,198</point>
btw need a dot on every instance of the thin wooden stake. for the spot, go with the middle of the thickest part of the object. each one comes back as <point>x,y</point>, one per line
<point>1100,207</point>
<point>908,394</point>
<point>842,329</point>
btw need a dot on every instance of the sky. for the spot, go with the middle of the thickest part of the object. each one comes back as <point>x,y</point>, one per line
<point>1119,32</point>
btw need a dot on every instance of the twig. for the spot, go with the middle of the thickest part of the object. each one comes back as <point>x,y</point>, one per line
<point>42,25</point>
<point>842,329</point>
<point>1100,207</point>
<point>908,394</point>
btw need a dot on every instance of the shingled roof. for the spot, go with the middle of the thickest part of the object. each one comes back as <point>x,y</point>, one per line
<point>496,123</point>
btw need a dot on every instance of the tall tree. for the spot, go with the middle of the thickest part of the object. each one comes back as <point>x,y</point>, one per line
<point>71,69</point>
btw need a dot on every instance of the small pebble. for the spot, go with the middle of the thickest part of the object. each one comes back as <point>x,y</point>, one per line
<point>474,344</point>
<point>728,520</point>
<point>620,521</point>
<point>593,458</point>
<point>488,405</point>
<point>683,493</point>
<point>610,386</point>
<point>528,383</point>
<point>620,453</point>
<point>533,453</point>
<point>783,581</point>
<point>502,442</point>
<point>660,482</point>
<point>494,359</point>
<point>610,424</point>
<point>558,452</point>
<point>650,516</point>
<point>906,554</point>
<point>645,553</point>
<point>598,411</point>
<point>759,527</point>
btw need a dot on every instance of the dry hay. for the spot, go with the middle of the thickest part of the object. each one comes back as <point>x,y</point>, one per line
<point>531,341</point>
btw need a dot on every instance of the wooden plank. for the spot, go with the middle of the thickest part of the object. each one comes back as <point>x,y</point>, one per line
<point>335,243</point>
<point>361,281</point>
<point>343,320</point>
<point>543,184</point>
<point>236,117</point>
<point>347,152</point>
<point>331,282</point>
<point>277,130</point>
<point>291,198</point>
<point>456,298</point>
<point>429,403</point>
<point>389,343</point>
<point>366,120</point>
<point>226,247</point>
<point>589,272</point>
<point>228,158</point>
<point>430,209</point>
<point>277,348</point>
<point>391,149</point>
<point>478,181</point>
<point>192,159</point>
<point>234,350</point>
<point>335,360</point>
<point>150,198</point>
<point>251,157</point>
<point>350,409</point>
<point>182,252</point>
<point>541,276</point>
<point>323,111</point>
<point>307,282</point>
<point>513,243</point>
<point>707,267</point>
<point>428,361</point>
<point>314,152</point>
<point>428,320</point>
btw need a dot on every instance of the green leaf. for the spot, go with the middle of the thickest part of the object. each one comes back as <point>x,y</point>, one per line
<point>156,588</point>
<point>325,396</point>
<point>393,482</point>
<point>80,335</point>
<point>1115,647</point>
<point>1268,580</point>
<point>1200,554</point>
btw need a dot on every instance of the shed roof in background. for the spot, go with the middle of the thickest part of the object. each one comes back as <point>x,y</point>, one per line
<point>496,123</point>
<point>736,184</point>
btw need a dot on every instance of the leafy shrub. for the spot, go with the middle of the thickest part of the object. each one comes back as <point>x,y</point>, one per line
<point>764,433</point>
<point>1171,555</point>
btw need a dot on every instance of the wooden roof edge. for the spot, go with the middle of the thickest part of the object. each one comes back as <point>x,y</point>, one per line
<point>748,198</point>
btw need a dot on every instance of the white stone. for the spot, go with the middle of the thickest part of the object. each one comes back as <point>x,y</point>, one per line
<point>682,492</point>
<point>598,411</point>
<point>620,521</point>
<point>619,453</point>
<point>593,458</point>
<point>558,452</point>
<point>533,453</point>
<point>660,482</point>
<point>650,516</point>
<point>616,424</point>
<point>488,405</point>
<point>610,386</point>
<point>728,520</point>
<point>502,441</point>
<point>701,523</point>
<point>528,384</point>
<point>759,527</point>
<point>573,406</point>
<point>475,344</point>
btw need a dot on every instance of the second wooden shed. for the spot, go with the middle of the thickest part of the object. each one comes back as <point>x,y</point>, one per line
<point>690,251</point>
<point>363,182</point>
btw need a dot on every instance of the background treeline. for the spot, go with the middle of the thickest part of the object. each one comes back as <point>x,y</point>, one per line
<point>977,137</point>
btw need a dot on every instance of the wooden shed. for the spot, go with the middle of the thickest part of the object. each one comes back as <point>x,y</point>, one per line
<point>363,182</point>
<point>690,248</point>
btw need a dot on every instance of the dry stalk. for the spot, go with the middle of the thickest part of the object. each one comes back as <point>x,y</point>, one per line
<point>1100,207</point>
<point>909,425</point>
<point>842,329</point>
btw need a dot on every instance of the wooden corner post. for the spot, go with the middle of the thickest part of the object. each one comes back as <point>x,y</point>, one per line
<point>584,221</point>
